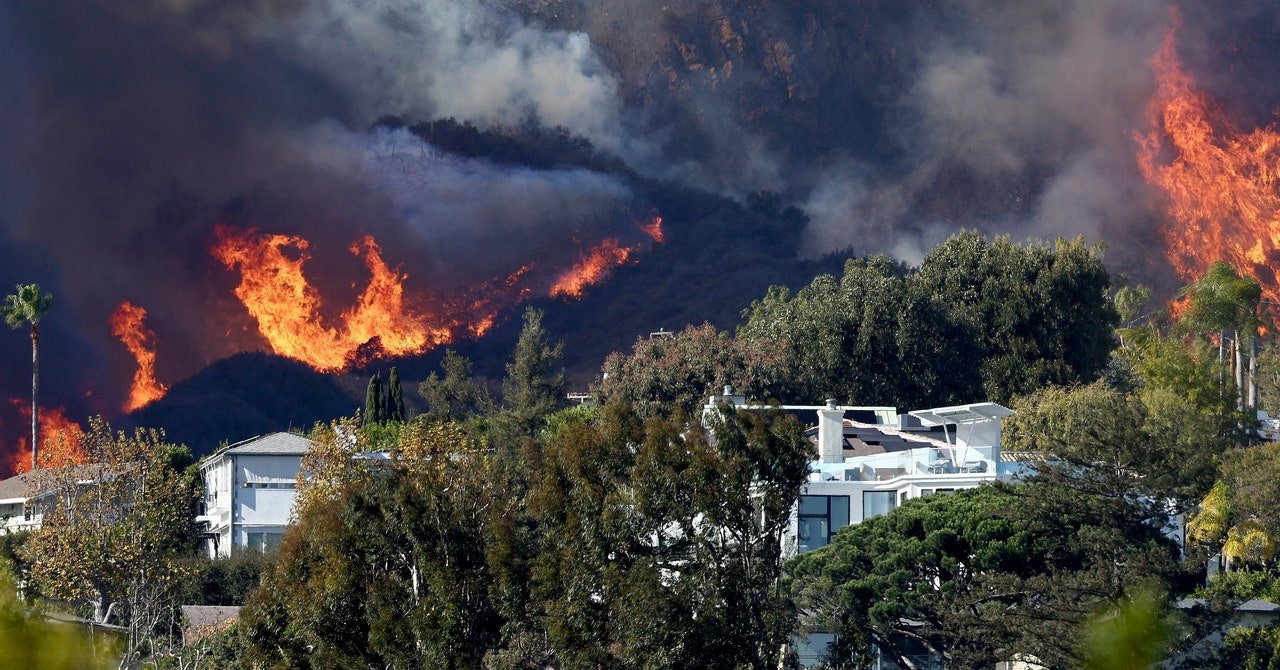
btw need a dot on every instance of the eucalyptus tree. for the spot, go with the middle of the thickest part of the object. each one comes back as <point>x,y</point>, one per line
<point>27,307</point>
<point>1224,302</point>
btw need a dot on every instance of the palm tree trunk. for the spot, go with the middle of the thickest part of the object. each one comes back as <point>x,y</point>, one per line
<point>35,390</point>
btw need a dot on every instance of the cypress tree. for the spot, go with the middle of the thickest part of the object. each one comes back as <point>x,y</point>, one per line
<point>395,397</point>
<point>373,412</point>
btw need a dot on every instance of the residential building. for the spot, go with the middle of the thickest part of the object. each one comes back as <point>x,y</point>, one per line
<point>23,496</point>
<point>250,489</point>
<point>873,463</point>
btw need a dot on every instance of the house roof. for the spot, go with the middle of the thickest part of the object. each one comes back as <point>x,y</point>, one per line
<point>281,444</point>
<point>19,488</point>
<point>868,439</point>
<point>1251,605</point>
<point>962,414</point>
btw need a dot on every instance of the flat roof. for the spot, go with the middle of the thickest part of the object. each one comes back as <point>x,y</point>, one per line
<point>961,414</point>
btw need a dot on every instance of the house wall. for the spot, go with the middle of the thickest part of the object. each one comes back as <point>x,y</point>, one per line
<point>249,497</point>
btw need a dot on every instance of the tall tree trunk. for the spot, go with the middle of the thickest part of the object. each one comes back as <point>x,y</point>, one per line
<point>1253,373</point>
<point>35,391</point>
<point>1238,363</point>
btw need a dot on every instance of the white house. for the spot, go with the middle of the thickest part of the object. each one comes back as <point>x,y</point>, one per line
<point>22,497</point>
<point>249,492</point>
<point>870,466</point>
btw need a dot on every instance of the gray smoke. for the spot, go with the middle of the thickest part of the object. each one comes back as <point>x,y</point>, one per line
<point>1037,103</point>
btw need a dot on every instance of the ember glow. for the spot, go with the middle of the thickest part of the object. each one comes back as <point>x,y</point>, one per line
<point>59,439</point>
<point>1220,183</point>
<point>128,323</point>
<point>385,321</point>
<point>594,266</point>
<point>654,230</point>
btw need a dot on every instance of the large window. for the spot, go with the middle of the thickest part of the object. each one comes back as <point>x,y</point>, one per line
<point>875,503</point>
<point>264,542</point>
<point>820,518</point>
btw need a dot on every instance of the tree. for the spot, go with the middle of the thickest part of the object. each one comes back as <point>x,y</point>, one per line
<point>661,542</point>
<point>29,641</point>
<point>1223,302</point>
<point>27,307</point>
<point>386,568</point>
<point>677,373</point>
<point>997,573</point>
<point>1041,312</point>
<point>536,384</point>
<point>374,403</point>
<point>1152,443</point>
<point>395,397</point>
<point>113,531</point>
<point>456,396</point>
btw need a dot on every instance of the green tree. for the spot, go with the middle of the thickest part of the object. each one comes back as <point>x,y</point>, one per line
<point>997,573</point>
<point>112,546</point>
<point>374,402</point>
<point>1224,303</point>
<point>1153,442</point>
<point>1241,515</point>
<point>661,543</point>
<point>29,641</point>
<point>677,373</point>
<point>27,307</point>
<point>535,385</point>
<point>388,568</point>
<point>1041,312</point>
<point>456,396</point>
<point>395,397</point>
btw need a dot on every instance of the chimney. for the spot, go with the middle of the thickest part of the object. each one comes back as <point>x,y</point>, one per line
<point>831,433</point>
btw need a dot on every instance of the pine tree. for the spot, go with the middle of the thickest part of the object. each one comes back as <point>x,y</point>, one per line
<point>395,397</point>
<point>535,385</point>
<point>374,411</point>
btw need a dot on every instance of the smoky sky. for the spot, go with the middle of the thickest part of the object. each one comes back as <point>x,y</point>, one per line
<point>131,129</point>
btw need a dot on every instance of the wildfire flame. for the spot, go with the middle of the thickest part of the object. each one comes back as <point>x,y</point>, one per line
<point>593,267</point>
<point>128,323</point>
<point>654,230</point>
<point>1220,184</point>
<point>277,294</point>
<point>59,439</point>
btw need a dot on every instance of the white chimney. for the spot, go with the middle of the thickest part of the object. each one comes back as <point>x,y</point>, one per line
<point>831,433</point>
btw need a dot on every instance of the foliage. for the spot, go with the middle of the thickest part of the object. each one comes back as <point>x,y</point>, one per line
<point>1028,315</point>
<point>983,575</point>
<point>1240,513</point>
<point>677,373</point>
<point>225,580</point>
<point>29,641</point>
<point>536,384</point>
<point>1152,442</point>
<point>456,396</point>
<point>659,545</point>
<point>387,565</point>
<point>1247,648</point>
<point>27,306</point>
<point>1134,635</point>
<point>395,397</point>
<point>375,408</point>
<point>112,532</point>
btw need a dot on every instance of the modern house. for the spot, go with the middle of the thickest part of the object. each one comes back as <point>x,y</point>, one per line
<point>249,492</point>
<point>868,467</point>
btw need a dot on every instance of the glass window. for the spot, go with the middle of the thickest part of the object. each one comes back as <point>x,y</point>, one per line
<point>875,503</point>
<point>819,518</point>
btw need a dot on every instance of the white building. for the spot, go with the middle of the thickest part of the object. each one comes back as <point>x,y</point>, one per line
<point>23,496</point>
<point>249,492</point>
<point>868,467</point>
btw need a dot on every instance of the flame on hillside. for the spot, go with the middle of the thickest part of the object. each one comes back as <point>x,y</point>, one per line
<point>128,323</point>
<point>60,439</point>
<point>594,266</point>
<point>1221,184</point>
<point>384,321</point>
<point>654,230</point>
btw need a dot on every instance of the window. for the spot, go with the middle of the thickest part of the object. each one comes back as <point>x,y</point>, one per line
<point>264,542</point>
<point>875,503</point>
<point>819,518</point>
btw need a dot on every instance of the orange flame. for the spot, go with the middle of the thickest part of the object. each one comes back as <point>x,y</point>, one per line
<point>654,230</point>
<point>59,439</point>
<point>128,324</point>
<point>286,307</point>
<point>591,269</point>
<point>1221,185</point>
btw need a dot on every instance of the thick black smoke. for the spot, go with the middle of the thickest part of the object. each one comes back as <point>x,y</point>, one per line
<point>130,129</point>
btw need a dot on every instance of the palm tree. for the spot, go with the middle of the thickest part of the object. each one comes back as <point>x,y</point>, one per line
<point>28,306</point>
